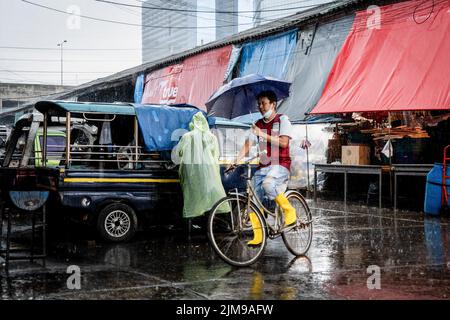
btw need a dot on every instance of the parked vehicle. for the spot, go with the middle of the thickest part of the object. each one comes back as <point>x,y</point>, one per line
<point>101,171</point>
<point>4,134</point>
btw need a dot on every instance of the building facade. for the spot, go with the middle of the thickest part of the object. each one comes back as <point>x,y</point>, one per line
<point>226,23</point>
<point>270,10</point>
<point>177,32</point>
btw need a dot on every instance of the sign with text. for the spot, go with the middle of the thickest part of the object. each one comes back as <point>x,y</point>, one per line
<point>191,82</point>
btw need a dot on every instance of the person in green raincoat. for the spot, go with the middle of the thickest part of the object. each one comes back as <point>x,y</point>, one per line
<point>198,156</point>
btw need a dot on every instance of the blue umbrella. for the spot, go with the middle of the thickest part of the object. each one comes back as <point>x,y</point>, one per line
<point>238,97</point>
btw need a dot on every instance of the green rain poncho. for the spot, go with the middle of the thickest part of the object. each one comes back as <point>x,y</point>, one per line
<point>198,153</point>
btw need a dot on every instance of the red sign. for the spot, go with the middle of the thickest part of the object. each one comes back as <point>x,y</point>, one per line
<point>161,86</point>
<point>191,82</point>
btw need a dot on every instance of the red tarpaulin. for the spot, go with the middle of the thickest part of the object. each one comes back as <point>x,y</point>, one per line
<point>161,86</point>
<point>192,81</point>
<point>397,61</point>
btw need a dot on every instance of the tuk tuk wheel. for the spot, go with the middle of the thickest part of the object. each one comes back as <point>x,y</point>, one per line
<point>117,222</point>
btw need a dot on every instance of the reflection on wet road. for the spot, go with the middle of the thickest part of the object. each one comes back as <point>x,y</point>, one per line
<point>411,250</point>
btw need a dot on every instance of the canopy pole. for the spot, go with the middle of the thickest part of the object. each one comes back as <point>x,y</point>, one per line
<point>389,137</point>
<point>307,156</point>
<point>390,155</point>
<point>136,142</point>
<point>68,139</point>
<point>44,142</point>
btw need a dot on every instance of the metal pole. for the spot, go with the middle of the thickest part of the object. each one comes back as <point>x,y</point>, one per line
<point>68,138</point>
<point>307,157</point>
<point>380,192</point>
<point>44,232</point>
<point>390,155</point>
<point>395,191</point>
<point>8,242</point>
<point>44,142</point>
<point>62,65</point>
<point>389,138</point>
<point>315,184</point>
<point>345,188</point>
<point>136,142</point>
<point>61,45</point>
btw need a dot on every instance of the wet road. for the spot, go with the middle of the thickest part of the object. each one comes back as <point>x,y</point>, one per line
<point>411,250</point>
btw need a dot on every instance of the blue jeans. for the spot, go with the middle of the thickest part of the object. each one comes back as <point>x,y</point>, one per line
<point>270,181</point>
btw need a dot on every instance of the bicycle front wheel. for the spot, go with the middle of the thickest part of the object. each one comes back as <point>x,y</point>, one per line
<point>298,238</point>
<point>230,230</point>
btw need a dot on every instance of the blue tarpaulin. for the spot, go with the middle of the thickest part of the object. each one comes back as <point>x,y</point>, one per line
<point>270,56</point>
<point>162,126</point>
<point>139,89</point>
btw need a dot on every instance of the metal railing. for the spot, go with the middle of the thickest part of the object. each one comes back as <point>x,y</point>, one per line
<point>91,155</point>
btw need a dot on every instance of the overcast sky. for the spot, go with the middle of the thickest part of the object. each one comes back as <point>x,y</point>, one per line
<point>106,48</point>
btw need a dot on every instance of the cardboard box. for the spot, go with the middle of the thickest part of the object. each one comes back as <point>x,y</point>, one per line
<point>356,155</point>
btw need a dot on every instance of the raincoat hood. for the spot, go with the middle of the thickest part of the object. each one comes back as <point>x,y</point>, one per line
<point>199,122</point>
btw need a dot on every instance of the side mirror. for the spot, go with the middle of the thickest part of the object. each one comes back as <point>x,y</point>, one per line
<point>2,142</point>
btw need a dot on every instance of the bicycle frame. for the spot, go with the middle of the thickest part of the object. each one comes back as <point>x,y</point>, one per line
<point>275,228</point>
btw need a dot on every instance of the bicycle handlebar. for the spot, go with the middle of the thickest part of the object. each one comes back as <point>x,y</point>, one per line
<point>247,162</point>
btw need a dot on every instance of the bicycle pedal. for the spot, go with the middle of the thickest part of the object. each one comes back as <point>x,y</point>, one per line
<point>289,227</point>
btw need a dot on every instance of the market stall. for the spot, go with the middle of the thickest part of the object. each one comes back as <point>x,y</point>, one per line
<point>389,78</point>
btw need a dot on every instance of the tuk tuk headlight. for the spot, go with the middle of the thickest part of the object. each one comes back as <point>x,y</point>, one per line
<point>85,202</point>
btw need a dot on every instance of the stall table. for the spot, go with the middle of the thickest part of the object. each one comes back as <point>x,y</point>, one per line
<point>396,169</point>
<point>352,169</point>
<point>416,170</point>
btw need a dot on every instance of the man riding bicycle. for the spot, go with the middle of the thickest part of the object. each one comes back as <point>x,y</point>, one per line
<point>274,133</point>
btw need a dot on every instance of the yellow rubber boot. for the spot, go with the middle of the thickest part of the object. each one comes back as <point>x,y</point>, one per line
<point>290,216</point>
<point>257,232</point>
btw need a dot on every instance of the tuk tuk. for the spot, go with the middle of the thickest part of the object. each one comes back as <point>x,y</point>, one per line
<point>109,164</point>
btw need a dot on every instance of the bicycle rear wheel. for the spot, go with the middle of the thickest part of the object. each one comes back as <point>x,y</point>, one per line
<point>229,230</point>
<point>298,238</point>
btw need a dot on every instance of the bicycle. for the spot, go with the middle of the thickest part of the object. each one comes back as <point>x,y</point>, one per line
<point>229,227</point>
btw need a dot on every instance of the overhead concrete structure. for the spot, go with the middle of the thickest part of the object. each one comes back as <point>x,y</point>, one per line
<point>15,94</point>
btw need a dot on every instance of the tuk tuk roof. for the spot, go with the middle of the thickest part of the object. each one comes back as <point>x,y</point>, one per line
<point>59,108</point>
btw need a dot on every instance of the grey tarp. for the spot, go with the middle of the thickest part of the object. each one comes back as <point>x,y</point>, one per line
<point>234,58</point>
<point>313,59</point>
